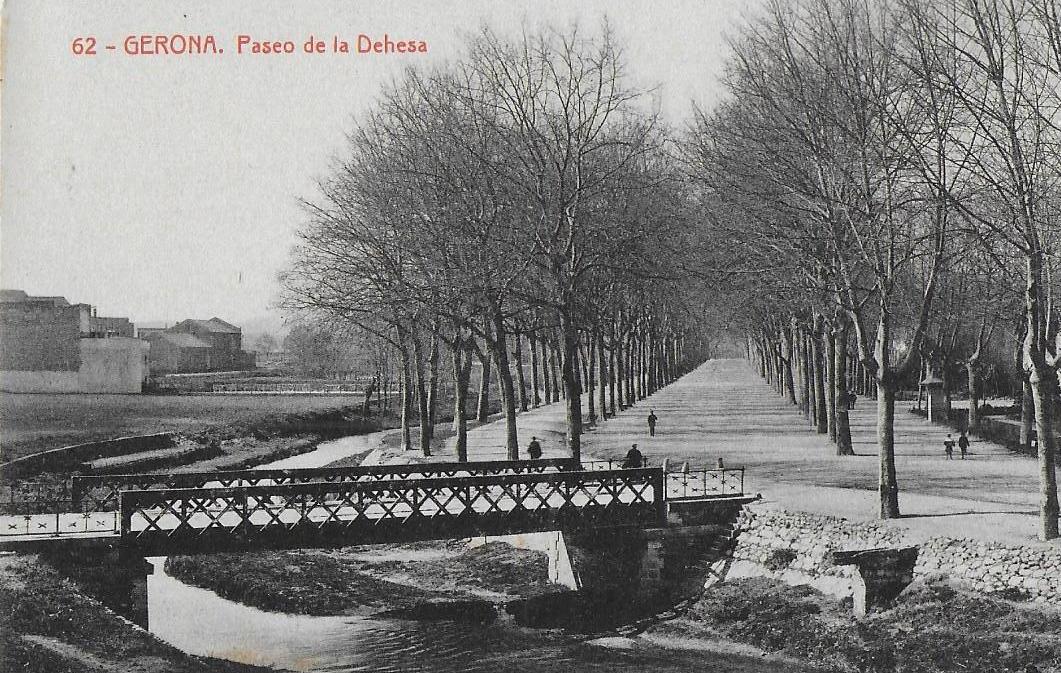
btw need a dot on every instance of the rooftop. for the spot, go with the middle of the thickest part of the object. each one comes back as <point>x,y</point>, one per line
<point>214,324</point>
<point>181,339</point>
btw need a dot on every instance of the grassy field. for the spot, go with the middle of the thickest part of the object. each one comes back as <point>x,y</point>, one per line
<point>31,423</point>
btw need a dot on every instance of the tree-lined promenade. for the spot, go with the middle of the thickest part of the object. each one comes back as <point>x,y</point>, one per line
<point>875,202</point>
<point>517,206</point>
<point>895,166</point>
<point>724,409</point>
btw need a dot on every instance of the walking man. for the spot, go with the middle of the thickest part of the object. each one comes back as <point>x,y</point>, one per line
<point>963,444</point>
<point>534,449</point>
<point>948,447</point>
<point>652,423</point>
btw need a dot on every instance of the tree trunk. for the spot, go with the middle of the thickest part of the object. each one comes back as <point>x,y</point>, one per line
<point>843,421</point>
<point>812,377</point>
<point>1027,414</point>
<point>805,395</point>
<point>573,393</point>
<point>520,376</point>
<point>461,370</point>
<point>547,374</point>
<point>888,482</point>
<point>407,401</point>
<point>591,376</point>
<point>366,405</point>
<point>432,385</point>
<point>629,372</point>
<point>820,406</point>
<point>1043,381</point>
<point>421,396</point>
<point>613,375</point>
<point>556,357</point>
<point>601,369</point>
<point>508,389</point>
<point>830,379</point>
<point>944,371</point>
<point>482,409</point>
<point>640,389</point>
<point>533,343</point>
<point>972,424</point>
<point>790,370</point>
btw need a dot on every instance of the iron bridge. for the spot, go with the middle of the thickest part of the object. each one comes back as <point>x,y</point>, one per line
<point>158,514</point>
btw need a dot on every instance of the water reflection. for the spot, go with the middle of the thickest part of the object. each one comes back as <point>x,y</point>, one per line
<point>200,622</point>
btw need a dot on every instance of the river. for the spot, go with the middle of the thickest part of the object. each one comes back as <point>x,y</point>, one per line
<point>200,622</point>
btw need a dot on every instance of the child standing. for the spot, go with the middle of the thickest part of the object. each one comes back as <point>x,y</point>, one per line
<point>948,447</point>
<point>963,444</point>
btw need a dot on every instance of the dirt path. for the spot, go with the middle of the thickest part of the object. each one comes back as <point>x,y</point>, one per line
<point>724,410</point>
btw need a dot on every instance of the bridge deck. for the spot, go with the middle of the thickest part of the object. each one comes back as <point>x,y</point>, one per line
<point>351,505</point>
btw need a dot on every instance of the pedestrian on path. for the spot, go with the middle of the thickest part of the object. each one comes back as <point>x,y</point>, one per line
<point>948,447</point>
<point>652,422</point>
<point>534,449</point>
<point>633,459</point>
<point>963,444</point>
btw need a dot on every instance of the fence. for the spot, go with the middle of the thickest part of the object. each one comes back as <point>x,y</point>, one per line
<point>289,388</point>
<point>688,482</point>
<point>101,492</point>
<point>389,510</point>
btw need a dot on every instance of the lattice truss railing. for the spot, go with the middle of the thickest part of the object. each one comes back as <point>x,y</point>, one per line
<point>98,493</point>
<point>694,484</point>
<point>191,512</point>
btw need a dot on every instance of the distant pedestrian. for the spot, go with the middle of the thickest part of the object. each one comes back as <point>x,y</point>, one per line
<point>633,459</point>
<point>652,422</point>
<point>963,444</point>
<point>534,449</point>
<point>948,447</point>
<point>851,399</point>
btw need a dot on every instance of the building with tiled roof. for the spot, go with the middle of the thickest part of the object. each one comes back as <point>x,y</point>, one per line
<point>195,345</point>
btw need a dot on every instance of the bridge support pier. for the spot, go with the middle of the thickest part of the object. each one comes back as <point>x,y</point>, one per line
<point>112,574</point>
<point>884,573</point>
<point>655,568</point>
<point>646,569</point>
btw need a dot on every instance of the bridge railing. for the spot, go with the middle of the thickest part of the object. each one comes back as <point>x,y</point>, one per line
<point>361,512</point>
<point>705,483</point>
<point>98,493</point>
<point>688,483</point>
<point>29,497</point>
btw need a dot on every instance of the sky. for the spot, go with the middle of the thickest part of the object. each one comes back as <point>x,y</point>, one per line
<point>164,187</point>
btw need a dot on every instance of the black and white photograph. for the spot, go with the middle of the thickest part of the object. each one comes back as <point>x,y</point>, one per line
<point>560,336</point>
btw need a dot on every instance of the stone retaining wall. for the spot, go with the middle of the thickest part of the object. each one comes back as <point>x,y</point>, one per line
<point>797,547</point>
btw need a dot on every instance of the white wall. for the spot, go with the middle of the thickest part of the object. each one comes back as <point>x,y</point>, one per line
<point>39,382</point>
<point>114,365</point>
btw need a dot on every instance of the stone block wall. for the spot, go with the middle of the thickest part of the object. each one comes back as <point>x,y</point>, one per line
<point>1021,570</point>
<point>797,547</point>
<point>39,336</point>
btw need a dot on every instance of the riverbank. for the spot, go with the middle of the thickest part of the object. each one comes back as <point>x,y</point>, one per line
<point>445,578</point>
<point>933,627</point>
<point>34,423</point>
<point>49,624</point>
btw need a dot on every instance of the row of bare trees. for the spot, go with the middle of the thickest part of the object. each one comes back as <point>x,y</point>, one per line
<point>519,206</point>
<point>892,167</point>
